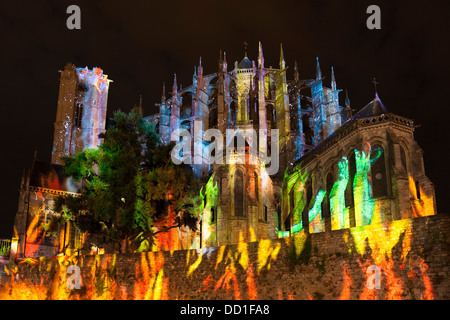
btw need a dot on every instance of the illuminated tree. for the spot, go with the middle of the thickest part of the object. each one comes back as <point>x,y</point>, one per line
<point>130,184</point>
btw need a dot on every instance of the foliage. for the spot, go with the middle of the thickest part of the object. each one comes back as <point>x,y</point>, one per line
<point>130,184</point>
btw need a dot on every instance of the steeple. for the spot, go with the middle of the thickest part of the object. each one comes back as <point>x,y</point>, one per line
<point>333,80</point>
<point>164,114</point>
<point>220,60</point>
<point>318,72</point>
<point>282,62</point>
<point>347,100</point>
<point>200,67</point>
<point>296,74</point>
<point>220,72</point>
<point>245,48</point>
<point>225,61</point>
<point>174,87</point>
<point>260,56</point>
<point>347,112</point>
<point>175,109</point>
<point>175,92</point>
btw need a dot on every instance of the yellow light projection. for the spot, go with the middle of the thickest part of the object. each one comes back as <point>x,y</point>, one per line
<point>236,271</point>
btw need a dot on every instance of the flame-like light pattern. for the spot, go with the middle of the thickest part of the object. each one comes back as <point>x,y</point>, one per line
<point>240,271</point>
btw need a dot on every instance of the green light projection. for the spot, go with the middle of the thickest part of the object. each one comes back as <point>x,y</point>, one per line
<point>296,182</point>
<point>339,213</point>
<point>209,200</point>
<point>363,202</point>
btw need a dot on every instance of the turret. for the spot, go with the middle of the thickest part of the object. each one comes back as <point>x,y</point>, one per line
<point>164,117</point>
<point>296,74</point>
<point>261,93</point>
<point>347,111</point>
<point>282,101</point>
<point>318,101</point>
<point>175,108</point>
<point>333,113</point>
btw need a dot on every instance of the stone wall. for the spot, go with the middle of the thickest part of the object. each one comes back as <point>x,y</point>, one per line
<point>410,256</point>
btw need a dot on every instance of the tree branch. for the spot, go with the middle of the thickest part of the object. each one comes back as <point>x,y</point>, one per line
<point>167,228</point>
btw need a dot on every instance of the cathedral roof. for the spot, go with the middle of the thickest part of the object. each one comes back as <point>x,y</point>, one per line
<point>245,64</point>
<point>373,108</point>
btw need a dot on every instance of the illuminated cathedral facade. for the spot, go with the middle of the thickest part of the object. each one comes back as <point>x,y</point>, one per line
<point>336,169</point>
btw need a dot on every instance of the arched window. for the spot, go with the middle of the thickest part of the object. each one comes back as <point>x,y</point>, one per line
<point>213,117</point>
<point>291,203</point>
<point>326,210</point>
<point>403,158</point>
<point>79,115</point>
<point>417,190</point>
<point>186,100</point>
<point>307,130</point>
<point>213,215</point>
<point>271,116</point>
<point>378,172</point>
<point>233,111</point>
<point>305,217</point>
<point>239,194</point>
<point>245,105</point>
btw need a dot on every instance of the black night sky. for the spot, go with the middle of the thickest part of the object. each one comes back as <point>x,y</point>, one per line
<point>141,44</point>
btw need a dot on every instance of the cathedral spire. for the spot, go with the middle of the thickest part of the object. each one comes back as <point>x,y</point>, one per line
<point>347,100</point>
<point>282,62</point>
<point>174,87</point>
<point>245,48</point>
<point>333,80</point>
<point>296,74</point>
<point>260,56</point>
<point>318,72</point>
<point>200,68</point>
<point>347,112</point>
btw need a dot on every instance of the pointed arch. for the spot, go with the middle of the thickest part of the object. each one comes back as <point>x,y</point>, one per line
<point>326,209</point>
<point>379,174</point>
<point>239,193</point>
<point>271,115</point>
<point>308,198</point>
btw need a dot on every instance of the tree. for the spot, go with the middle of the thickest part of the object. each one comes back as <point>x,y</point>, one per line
<point>130,186</point>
